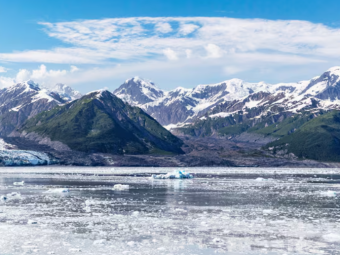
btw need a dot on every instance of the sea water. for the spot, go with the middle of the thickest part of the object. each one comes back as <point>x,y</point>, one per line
<point>75,210</point>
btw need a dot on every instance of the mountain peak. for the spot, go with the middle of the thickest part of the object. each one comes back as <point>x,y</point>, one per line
<point>66,92</point>
<point>32,85</point>
<point>138,91</point>
<point>334,70</point>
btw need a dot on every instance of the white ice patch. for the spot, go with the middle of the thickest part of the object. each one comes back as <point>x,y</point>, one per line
<point>60,190</point>
<point>328,193</point>
<point>21,157</point>
<point>177,174</point>
<point>19,183</point>
<point>260,179</point>
<point>332,238</point>
<point>121,187</point>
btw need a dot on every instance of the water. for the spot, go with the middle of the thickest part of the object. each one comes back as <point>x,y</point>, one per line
<point>220,211</point>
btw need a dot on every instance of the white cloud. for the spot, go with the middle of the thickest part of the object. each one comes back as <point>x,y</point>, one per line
<point>223,46</point>
<point>232,70</point>
<point>186,29</point>
<point>163,27</point>
<point>74,69</point>
<point>99,41</point>
<point>170,54</point>
<point>213,51</point>
<point>23,75</point>
<point>188,53</point>
<point>3,69</point>
<point>41,75</point>
<point>5,82</point>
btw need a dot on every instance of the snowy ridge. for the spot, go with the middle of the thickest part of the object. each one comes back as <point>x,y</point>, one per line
<point>138,91</point>
<point>26,99</point>
<point>183,105</point>
<point>66,92</point>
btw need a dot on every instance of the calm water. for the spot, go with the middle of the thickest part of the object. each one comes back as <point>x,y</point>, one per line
<point>221,210</point>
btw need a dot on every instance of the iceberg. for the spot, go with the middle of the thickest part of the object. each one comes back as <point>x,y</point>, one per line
<point>177,174</point>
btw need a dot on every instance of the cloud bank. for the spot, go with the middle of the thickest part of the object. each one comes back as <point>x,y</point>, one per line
<point>228,44</point>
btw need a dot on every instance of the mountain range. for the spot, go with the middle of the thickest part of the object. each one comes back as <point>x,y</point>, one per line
<point>237,120</point>
<point>181,106</point>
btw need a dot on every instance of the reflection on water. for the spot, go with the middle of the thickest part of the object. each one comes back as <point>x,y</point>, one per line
<point>228,211</point>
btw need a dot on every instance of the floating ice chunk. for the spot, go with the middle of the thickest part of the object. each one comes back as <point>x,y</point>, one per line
<point>267,211</point>
<point>177,174</point>
<point>260,179</point>
<point>328,193</point>
<point>332,238</point>
<point>135,214</point>
<point>74,250</point>
<point>61,190</point>
<point>99,242</point>
<point>121,187</point>
<point>13,196</point>
<point>32,222</point>
<point>19,183</point>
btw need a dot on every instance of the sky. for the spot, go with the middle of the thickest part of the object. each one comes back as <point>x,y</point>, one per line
<point>98,44</point>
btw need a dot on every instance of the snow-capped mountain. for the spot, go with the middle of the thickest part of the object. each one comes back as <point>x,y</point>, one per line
<point>137,91</point>
<point>182,105</point>
<point>66,92</point>
<point>22,101</point>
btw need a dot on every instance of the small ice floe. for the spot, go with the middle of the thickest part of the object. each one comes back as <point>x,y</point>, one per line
<point>177,174</point>
<point>121,187</point>
<point>267,212</point>
<point>332,238</point>
<point>260,179</point>
<point>328,193</point>
<point>61,190</point>
<point>135,214</point>
<point>13,196</point>
<point>99,242</point>
<point>74,250</point>
<point>19,183</point>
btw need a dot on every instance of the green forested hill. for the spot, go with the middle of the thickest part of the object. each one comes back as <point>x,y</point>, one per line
<point>101,122</point>
<point>317,139</point>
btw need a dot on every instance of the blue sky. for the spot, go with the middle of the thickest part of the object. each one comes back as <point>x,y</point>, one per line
<point>95,44</point>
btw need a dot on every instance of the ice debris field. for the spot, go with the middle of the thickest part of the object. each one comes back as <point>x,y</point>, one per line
<point>70,210</point>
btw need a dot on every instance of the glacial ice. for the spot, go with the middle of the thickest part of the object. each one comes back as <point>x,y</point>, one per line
<point>22,157</point>
<point>260,179</point>
<point>177,174</point>
<point>60,190</point>
<point>19,183</point>
<point>121,187</point>
<point>328,193</point>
